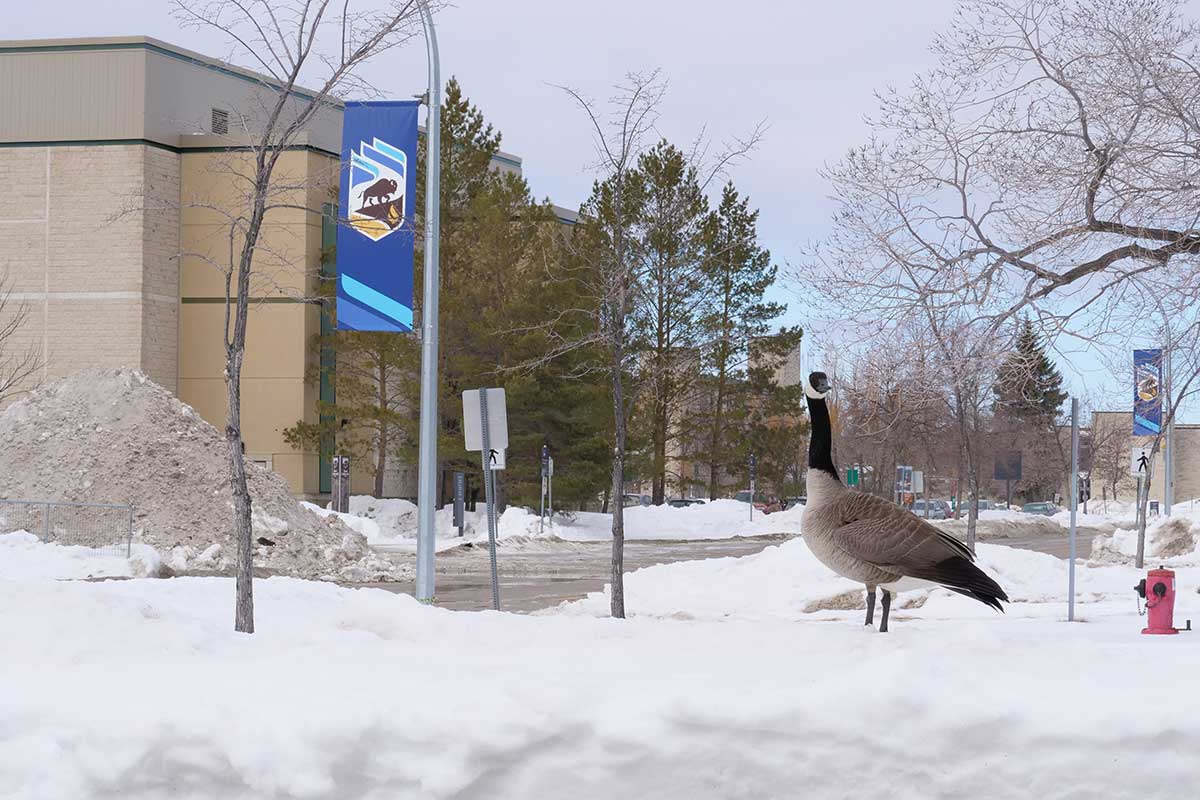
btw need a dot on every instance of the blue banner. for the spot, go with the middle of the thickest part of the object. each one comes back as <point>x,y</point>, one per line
<point>375,226</point>
<point>1147,392</point>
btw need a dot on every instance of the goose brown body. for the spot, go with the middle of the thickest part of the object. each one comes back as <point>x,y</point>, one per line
<point>870,540</point>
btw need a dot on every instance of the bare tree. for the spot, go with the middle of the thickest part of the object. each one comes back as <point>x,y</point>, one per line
<point>19,364</point>
<point>322,42</point>
<point>1047,160</point>
<point>607,257</point>
<point>615,266</point>
<point>1171,320</point>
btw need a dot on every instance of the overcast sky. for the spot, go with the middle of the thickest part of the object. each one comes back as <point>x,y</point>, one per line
<point>808,69</point>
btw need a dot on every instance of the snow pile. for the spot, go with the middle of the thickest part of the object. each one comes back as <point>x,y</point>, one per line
<point>114,436</point>
<point>363,525</point>
<point>718,519</point>
<point>364,693</point>
<point>23,556</point>
<point>787,581</point>
<point>1002,525</point>
<point>1174,539</point>
<point>394,517</point>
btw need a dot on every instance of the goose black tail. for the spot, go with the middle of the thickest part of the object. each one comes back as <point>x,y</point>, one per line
<point>958,574</point>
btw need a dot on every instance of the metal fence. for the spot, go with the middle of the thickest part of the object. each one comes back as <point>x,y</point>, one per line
<point>104,527</point>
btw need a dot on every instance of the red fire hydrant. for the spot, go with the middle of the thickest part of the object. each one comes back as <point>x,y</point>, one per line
<point>1158,590</point>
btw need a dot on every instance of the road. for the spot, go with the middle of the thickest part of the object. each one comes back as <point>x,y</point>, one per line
<point>535,576</point>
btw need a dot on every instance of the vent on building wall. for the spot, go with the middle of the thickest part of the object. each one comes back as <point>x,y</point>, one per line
<point>220,121</point>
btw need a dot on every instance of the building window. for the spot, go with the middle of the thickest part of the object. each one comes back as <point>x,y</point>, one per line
<point>220,121</point>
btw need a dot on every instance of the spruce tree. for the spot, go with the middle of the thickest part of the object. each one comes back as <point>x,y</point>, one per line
<point>673,288</point>
<point>737,272</point>
<point>1027,395</point>
<point>1028,387</point>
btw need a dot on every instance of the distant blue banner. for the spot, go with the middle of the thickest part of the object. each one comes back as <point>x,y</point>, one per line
<point>375,231</point>
<point>1147,392</point>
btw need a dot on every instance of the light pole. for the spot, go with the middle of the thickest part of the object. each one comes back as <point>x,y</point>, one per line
<point>427,454</point>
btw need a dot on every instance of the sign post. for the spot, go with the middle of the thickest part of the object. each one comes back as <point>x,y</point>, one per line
<point>550,488</point>
<point>753,477</point>
<point>1139,467</point>
<point>340,499</point>
<point>545,482</point>
<point>460,498</point>
<point>485,428</point>
<point>1007,468</point>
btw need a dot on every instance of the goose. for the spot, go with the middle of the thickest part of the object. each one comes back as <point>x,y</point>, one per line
<point>870,540</point>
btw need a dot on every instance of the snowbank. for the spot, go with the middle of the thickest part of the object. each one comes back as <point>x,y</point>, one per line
<point>1173,540</point>
<point>719,519</point>
<point>786,581</point>
<point>391,522</point>
<point>139,690</point>
<point>23,556</point>
<point>112,435</point>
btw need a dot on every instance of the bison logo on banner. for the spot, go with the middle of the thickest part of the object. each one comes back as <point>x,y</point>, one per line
<point>378,173</point>
<point>375,236</point>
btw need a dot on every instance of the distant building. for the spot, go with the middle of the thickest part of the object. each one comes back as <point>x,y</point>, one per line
<point>1109,444</point>
<point>115,158</point>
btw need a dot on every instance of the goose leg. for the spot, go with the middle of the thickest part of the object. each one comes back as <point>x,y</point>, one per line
<point>870,605</point>
<point>885,604</point>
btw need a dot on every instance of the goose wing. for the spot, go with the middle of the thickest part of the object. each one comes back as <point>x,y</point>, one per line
<point>897,540</point>
<point>899,525</point>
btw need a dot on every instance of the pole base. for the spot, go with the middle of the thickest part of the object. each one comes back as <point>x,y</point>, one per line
<point>1160,631</point>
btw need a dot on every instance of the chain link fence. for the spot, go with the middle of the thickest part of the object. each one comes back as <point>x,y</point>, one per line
<point>104,527</point>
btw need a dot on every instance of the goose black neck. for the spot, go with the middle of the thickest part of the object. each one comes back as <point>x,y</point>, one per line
<point>820,441</point>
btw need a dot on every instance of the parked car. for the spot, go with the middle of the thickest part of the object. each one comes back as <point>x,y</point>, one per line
<point>936,509</point>
<point>771,505</point>
<point>684,502</point>
<point>792,502</point>
<point>984,505</point>
<point>763,503</point>
<point>1046,509</point>
<point>630,500</point>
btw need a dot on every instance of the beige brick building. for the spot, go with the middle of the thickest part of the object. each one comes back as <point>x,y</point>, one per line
<point>1112,443</point>
<point>119,162</point>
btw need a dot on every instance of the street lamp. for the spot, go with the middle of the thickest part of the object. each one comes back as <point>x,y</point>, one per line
<point>427,454</point>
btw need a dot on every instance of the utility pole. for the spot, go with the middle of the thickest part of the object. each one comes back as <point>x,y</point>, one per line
<point>1074,505</point>
<point>1168,461</point>
<point>427,472</point>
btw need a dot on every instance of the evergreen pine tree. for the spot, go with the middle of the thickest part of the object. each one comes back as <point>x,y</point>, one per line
<point>1028,394</point>
<point>673,289</point>
<point>1028,387</point>
<point>738,272</point>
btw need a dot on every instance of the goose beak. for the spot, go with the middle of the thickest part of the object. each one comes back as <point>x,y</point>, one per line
<point>823,386</point>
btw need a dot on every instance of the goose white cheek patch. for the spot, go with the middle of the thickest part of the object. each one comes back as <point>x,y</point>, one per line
<point>809,391</point>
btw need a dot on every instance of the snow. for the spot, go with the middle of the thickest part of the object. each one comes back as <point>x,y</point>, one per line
<point>718,519</point>
<point>364,525</point>
<point>24,556</point>
<point>737,677</point>
<point>140,689</point>
<point>394,522</point>
<point>784,581</point>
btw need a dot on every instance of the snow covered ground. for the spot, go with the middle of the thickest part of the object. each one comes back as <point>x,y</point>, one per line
<point>23,555</point>
<point>747,678</point>
<point>392,521</point>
